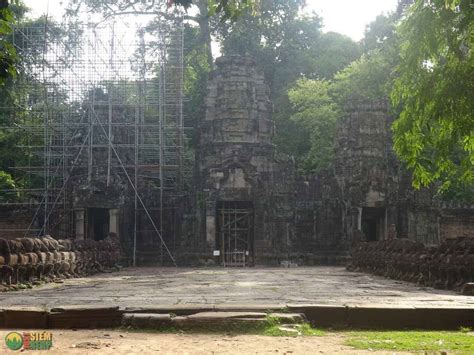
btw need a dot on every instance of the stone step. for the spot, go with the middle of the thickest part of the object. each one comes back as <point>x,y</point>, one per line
<point>146,320</point>
<point>160,320</point>
<point>81,317</point>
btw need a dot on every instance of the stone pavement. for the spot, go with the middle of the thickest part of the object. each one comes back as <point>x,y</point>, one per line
<point>152,286</point>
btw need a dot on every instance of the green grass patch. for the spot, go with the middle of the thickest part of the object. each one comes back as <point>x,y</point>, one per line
<point>460,342</point>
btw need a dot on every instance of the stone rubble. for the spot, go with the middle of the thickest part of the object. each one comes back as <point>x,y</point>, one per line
<point>447,266</point>
<point>45,259</point>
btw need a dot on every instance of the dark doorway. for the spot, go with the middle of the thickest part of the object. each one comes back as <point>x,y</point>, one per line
<point>97,223</point>
<point>235,232</point>
<point>373,223</point>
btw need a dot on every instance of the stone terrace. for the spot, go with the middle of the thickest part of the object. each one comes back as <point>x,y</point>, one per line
<point>153,286</point>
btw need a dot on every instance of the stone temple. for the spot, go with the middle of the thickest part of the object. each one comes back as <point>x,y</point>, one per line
<point>249,206</point>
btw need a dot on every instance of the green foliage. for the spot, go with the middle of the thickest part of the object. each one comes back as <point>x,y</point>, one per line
<point>231,9</point>
<point>195,78</point>
<point>7,186</point>
<point>317,113</point>
<point>332,52</point>
<point>364,79</point>
<point>434,91</point>
<point>227,9</point>
<point>370,76</point>
<point>8,55</point>
<point>287,46</point>
<point>22,99</point>
<point>379,31</point>
<point>460,342</point>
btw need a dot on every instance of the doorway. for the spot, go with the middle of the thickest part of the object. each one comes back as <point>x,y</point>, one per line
<point>97,223</point>
<point>373,223</point>
<point>235,233</point>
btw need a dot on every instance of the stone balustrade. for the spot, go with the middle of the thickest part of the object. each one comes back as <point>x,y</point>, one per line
<point>45,259</point>
<point>447,266</point>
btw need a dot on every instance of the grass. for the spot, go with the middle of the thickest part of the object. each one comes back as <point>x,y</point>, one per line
<point>415,340</point>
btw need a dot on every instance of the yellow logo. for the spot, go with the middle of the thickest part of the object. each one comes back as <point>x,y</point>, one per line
<point>14,341</point>
<point>29,340</point>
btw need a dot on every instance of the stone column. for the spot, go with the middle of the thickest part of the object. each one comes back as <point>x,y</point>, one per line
<point>80,224</point>
<point>359,219</point>
<point>211,230</point>
<point>114,220</point>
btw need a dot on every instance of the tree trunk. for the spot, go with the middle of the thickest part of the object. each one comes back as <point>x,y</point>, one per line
<point>205,29</point>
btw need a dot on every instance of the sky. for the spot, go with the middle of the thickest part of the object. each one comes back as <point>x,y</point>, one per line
<point>348,17</point>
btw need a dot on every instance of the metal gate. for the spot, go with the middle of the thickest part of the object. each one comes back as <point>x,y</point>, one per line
<point>236,233</point>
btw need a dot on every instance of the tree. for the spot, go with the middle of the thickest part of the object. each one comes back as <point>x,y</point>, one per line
<point>434,91</point>
<point>7,50</point>
<point>316,112</point>
<point>318,104</point>
<point>367,78</point>
<point>287,46</point>
<point>379,31</point>
<point>224,10</point>
<point>196,75</point>
<point>22,97</point>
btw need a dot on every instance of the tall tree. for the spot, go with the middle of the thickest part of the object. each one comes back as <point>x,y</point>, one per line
<point>316,111</point>
<point>434,91</point>
<point>8,57</point>
<point>287,45</point>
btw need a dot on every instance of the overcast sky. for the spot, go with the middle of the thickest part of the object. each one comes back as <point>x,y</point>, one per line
<point>348,17</point>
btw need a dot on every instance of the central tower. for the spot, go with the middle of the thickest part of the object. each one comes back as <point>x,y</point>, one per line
<point>241,179</point>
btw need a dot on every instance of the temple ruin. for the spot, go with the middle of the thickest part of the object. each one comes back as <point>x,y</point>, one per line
<point>116,163</point>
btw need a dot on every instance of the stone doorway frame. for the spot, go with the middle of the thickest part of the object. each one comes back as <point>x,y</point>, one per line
<point>235,225</point>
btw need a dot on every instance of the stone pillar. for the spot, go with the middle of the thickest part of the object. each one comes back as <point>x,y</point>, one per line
<point>359,218</point>
<point>114,220</point>
<point>80,224</point>
<point>211,230</point>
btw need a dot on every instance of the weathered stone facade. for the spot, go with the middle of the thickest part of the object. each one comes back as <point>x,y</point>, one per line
<point>377,192</point>
<point>250,206</point>
<point>246,190</point>
<point>366,196</point>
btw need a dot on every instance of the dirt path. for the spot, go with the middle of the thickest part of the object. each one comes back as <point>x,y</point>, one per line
<point>122,342</point>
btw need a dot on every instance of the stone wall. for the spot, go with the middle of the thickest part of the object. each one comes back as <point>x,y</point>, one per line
<point>14,221</point>
<point>245,190</point>
<point>376,190</point>
<point>365,196</point>
<point>319,235</point>
<point>456,221</point>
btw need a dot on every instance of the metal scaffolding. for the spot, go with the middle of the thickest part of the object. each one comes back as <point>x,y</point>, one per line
<point>103,107</point>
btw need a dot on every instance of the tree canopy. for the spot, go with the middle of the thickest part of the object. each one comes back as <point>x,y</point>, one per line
<point>419,56</point>
<point>434,91</point>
